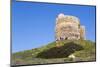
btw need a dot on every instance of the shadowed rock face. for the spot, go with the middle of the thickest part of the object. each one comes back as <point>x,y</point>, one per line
<point>61,52</point>
<point>68,27</point>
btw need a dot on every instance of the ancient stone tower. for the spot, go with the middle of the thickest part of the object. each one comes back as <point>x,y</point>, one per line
<point>68,28</point>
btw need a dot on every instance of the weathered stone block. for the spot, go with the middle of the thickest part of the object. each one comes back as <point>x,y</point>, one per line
<point>68,28</point>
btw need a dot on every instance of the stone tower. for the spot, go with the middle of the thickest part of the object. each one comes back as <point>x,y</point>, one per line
<point>68,28</point>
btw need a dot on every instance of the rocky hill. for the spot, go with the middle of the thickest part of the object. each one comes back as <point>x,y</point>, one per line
<point>70,51</point>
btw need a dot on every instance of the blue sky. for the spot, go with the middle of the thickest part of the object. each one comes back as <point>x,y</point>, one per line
<point>33,23</point>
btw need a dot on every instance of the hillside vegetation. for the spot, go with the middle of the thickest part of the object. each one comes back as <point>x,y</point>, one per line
<point>83,50</point>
